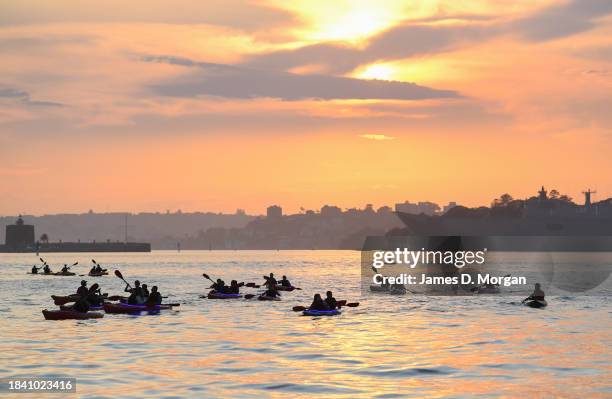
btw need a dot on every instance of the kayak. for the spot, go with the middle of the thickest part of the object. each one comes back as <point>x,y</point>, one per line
<point>69,307</point>
<point>379,288</point>
<point>536,303</point>
<point>309,312</point>
<point>268,298</point>
<point>70,315</point>
<point>126,308</point>
<point>283,288</point>
<point>64,274</point>
<point>62,300</point>
<point>219,295</point>
<point>97,274</point>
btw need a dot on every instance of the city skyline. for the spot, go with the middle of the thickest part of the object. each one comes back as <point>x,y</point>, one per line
<point>222,105</point>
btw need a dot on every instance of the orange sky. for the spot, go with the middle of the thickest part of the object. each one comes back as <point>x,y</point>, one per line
<point>156,105</point>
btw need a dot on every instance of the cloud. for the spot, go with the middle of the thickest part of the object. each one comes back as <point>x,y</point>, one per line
<point>396,43</point>
<point>413,38</point>
<point>563,20</point>
<point>377,137</point>
<point>24,98</point>
<point>245,83</point>
<point>238,14</point>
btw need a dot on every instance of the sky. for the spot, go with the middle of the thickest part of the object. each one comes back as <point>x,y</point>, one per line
<point>151,105</point>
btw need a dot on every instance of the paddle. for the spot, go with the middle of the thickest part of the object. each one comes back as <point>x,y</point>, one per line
<point>249,296</point>
<point>208,278</point>
<point>252,285</point>
<point>118,274</point>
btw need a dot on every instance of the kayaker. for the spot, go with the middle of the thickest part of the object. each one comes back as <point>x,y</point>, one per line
<point>81,305</point>
<point>285,283</point>
<point>93,270</point>
<point>318,303</point>
<point>271,292</point>
<point>83,290</point>
<point>47,269</point>
<point>219,286</point>
<point>270,281</point>
<point>155,297</point>
<point>537,295</point>
<point>136,294</point>
<point>145,291</point>
<point>35,269</point>
<point>331,301</point>
<point>98,269</point>
<point>66,268</point>
<point>234,287</point>
<point>94,296</point>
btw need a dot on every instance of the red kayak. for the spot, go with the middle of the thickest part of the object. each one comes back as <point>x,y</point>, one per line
<point>70,315</point>
<point>70,307</point>
<point>62,300</point>
<point>127,308</point>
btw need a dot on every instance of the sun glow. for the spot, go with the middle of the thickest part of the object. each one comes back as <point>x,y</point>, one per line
<point>377,71</point>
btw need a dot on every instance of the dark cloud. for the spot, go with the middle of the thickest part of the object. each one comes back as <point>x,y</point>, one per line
<point>396,43</point>
<point>239,82</point>
<point>24,98</point>
<point>563,20</point>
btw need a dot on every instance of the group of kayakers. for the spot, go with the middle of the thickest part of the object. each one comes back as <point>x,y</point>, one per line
<point>329,303</point>
<point>47,270</point>
<point>140,295</point>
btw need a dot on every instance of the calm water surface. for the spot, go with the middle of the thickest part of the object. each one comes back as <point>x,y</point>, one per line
<point>388,347</point>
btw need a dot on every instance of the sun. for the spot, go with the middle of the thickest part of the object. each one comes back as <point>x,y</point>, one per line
<point>377,71</point>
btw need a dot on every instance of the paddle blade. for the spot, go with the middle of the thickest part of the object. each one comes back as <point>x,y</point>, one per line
<point>299,308</point>
<point>352,304</point>
<point>118,274</point>
<point>75,263</point>
<point>94,261</point>
<point>341,303</point>
<point>206,276</point>
<point>249,296</point>
<point>94,287</point>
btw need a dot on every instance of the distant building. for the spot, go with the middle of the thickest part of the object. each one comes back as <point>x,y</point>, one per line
<point>274,212</point>
<point>19,235</point>
<point>330,211</point>
<point>428,208</point>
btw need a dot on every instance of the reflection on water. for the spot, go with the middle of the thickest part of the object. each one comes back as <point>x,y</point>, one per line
<point>388,347</point>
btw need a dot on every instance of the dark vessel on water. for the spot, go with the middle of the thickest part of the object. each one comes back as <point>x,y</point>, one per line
<point>541,222</point>
<point>20,238</point>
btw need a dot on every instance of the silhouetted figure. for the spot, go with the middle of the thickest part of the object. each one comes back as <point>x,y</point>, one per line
<point>83,290</point>
<point>331,301</point>
<point>318,303</point>
<point>285,282</point>
<point>155,298</point>
<point>136,294</point>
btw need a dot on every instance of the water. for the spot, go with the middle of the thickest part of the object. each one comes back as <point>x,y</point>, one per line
<point>388,347</point>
